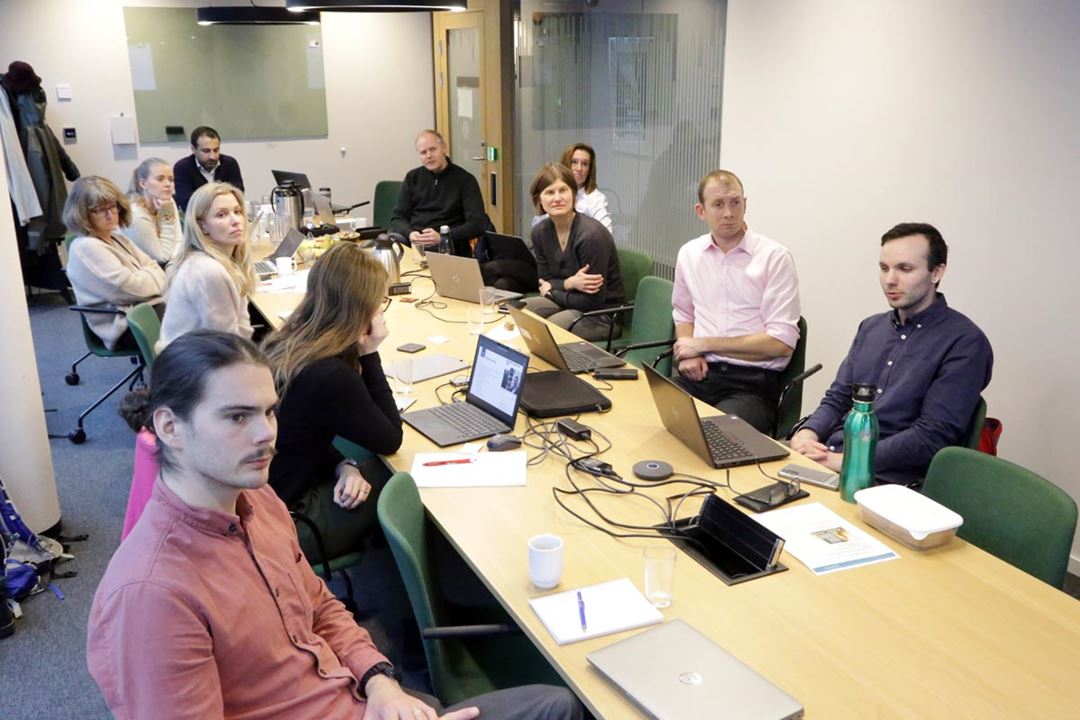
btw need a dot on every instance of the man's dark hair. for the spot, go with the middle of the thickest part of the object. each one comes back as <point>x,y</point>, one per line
<point>203,131</point>
<point>180,372</point>
<point>938,253</point>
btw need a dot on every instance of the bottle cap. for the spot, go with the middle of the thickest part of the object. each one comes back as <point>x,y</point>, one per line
<point>863,393</point>
<point>444,228</point>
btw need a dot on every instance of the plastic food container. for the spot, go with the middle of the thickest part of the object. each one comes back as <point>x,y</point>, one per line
<point>908,516</point>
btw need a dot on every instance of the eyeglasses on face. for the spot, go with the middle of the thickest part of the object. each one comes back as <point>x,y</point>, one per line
<point>386,303</point>
<point>106,210</point>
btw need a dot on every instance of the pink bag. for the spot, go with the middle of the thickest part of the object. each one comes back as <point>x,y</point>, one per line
<point>142,480</point>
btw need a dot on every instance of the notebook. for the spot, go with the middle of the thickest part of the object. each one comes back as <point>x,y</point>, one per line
<point>721,440</point>
<point>459,278</point>
<point>609,607</point>
<point>577,357</point>
<point>286,248</point>
<point>673,672</point>
<point>491,401</point>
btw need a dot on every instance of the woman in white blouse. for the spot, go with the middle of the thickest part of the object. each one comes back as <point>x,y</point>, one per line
<point>211,277</point>
<point>155,221</point>
<point>581,159</point>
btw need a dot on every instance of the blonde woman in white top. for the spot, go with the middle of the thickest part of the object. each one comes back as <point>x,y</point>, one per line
<point>581,159</point>
<point>211,277</point>
<point>155,221</point>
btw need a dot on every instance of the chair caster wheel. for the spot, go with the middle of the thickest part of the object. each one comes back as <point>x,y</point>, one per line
<point>77,436</point>
<point>72,378</point>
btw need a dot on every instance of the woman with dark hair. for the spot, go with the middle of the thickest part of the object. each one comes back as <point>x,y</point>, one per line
<point>575,258</point>
<point>588,200</point>
<point>328,373</point>
<point>104,267</point>
<point>155,221</point>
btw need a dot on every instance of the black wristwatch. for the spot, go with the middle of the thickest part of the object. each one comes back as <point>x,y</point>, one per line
<point>380,668</point>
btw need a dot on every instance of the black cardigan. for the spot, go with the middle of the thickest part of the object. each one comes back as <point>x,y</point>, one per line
<point>452,197</point>
<point>326,399</point>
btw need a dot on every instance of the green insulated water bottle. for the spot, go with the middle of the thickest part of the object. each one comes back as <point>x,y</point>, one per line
<point>860,439</point>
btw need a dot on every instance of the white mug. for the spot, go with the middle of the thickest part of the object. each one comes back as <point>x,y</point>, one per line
<point>286,266</point>
<point>545,560</point>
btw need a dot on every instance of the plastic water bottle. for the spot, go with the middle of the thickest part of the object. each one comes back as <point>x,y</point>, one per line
<point>445,246</point>
<point>860,440</point>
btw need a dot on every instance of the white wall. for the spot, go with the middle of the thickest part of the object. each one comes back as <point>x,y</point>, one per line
<point>379,88</point>
<point>844,117</point>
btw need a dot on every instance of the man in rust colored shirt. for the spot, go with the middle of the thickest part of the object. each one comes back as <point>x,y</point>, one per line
<point>208,609</point>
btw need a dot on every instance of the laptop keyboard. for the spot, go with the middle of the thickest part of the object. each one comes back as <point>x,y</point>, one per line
<point>721,446</point>
<point>265,267</point>
<point>577,361</point>
<point>467,419</point>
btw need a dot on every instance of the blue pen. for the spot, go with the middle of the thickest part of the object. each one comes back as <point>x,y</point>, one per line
<point>581,612</point>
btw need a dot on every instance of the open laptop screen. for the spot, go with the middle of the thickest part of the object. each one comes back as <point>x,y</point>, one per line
<point>498,373</point>
<point>283,176</point>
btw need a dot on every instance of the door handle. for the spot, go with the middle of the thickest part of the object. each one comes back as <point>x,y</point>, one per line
<point>481,158</point>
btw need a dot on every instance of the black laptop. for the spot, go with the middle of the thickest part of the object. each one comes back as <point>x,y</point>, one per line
<point>301,181</point>
<point>722,440</point>
<point>577,357</point>
<point>498,374</point>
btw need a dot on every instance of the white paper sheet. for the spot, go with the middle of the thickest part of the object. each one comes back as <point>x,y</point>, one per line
<point>610,607</point>
<point>822,540</point>
<point>502,469</point>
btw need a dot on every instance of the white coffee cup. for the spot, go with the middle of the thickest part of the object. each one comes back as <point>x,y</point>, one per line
<point>545,560</point>
<point>285,266</point>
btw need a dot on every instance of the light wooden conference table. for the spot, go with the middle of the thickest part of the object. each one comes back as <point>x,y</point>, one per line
<point>946,633</point>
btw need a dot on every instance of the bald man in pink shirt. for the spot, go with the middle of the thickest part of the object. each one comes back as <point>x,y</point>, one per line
<point>736,308</point>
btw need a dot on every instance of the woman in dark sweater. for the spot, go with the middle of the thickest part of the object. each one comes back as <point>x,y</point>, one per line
<point>331,382</point>
<point>575,258</point>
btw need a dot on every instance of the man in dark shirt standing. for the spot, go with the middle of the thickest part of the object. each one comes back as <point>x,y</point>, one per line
<point>439,193</point>
<point>929,362</point>
<point>205,164</point>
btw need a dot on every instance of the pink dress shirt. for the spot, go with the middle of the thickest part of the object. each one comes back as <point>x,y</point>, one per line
<point>750,289</point>
<point>203,614</point>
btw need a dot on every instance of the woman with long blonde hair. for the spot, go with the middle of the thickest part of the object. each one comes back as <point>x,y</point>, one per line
<point>330,379</point>
<point>211,276</point>
<point>155,221</point>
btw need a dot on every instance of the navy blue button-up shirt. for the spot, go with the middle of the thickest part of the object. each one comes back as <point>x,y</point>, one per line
<point>929,372</point>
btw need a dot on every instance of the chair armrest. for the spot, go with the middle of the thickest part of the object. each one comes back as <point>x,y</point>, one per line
<point>467,631</point>
<point>612,311</point>
<point>667,353</point>
<point>645,346</point>
<point>793,383</point>
<point>323,559</point>
<point>98,309</point>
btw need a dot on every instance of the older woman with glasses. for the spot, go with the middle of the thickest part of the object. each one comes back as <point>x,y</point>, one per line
<point>330,379</point>
<point>104,267</point>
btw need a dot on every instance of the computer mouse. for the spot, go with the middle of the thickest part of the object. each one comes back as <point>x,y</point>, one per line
<point>502,441</point>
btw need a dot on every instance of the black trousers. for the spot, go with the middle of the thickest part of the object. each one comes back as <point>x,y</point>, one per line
<point>749,392</point>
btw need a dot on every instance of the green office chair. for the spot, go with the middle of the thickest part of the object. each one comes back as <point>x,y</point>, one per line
<point>95,346</point>
<point>323,564</point>
<point>145,325</point>
<point>1008,510</point>
<point>977,422</point>
<point>469,651</point>
<point>789,407</point>
<point>651,326</point>
<point>633,266</point>
<point>386,197</point>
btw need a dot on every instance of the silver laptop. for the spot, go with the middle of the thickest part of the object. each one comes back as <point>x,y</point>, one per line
<point>286,248</point>
<point>577,357</point>
<point>673,672</point>
<point>722,440</point>
<point>495,384</point>
<point>459,278</point>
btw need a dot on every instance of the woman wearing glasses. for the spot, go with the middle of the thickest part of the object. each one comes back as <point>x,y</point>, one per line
<point>104,267</point>
<point>330,379</point>
<point>155,221</point>
<point>211,276</point>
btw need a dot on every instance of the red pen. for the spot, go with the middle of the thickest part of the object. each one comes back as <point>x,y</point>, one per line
<point>460,461</point>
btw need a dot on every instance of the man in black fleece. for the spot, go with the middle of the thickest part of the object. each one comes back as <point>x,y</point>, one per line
<point>439,193</point>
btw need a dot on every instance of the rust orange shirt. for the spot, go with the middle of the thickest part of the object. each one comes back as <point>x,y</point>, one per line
<point>203,614</point>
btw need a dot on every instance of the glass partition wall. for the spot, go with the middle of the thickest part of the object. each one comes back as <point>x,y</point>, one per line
<point>641,82</point>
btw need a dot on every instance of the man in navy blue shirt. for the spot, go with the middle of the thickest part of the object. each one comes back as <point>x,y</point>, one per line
<point>930,363</point>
